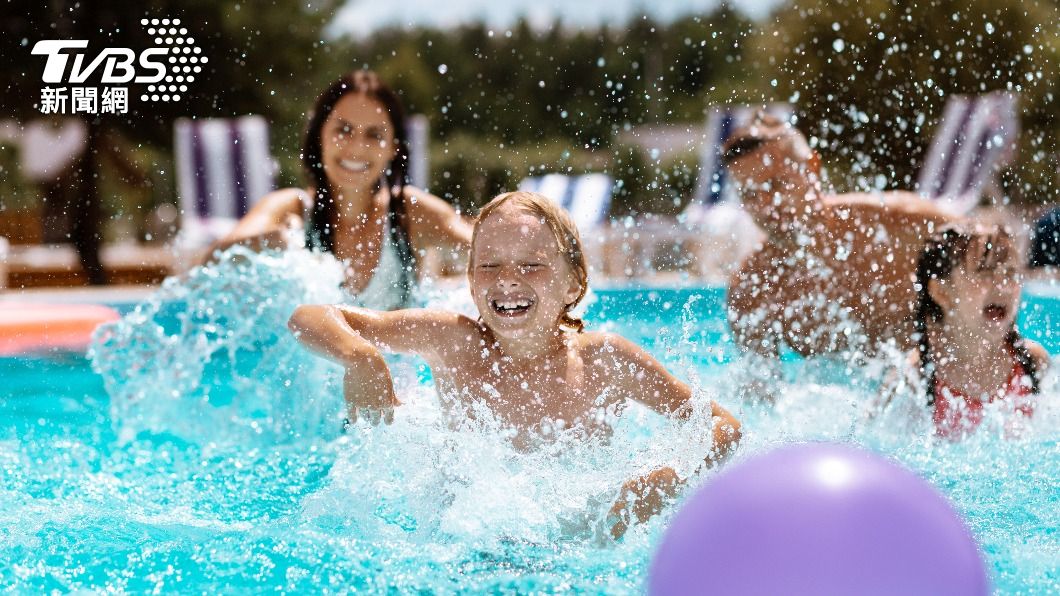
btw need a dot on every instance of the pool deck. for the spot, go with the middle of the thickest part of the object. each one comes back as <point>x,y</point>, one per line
<point>86,295</point>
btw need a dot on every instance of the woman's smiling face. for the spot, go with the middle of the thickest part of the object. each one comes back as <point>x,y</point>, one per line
<point>520,282</point>
<point>357,142</point>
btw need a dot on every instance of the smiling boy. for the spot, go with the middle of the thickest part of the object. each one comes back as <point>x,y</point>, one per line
<point>526,356</point>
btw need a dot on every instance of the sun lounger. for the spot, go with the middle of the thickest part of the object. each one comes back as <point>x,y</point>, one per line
<point>223,168</point>
<point>975,135</point>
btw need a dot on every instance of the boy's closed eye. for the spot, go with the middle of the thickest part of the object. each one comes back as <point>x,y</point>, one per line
<point>531,267</point>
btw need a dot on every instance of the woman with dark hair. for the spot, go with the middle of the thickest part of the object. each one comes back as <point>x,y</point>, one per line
<point>968,351</point>
<point>358,205</point>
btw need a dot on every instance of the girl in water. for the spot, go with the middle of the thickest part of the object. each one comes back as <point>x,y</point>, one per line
<point>358,206</point>
<point>525,356</point>
<point>969,352</point>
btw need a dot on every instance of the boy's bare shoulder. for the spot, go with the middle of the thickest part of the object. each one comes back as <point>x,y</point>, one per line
<point>612,345</point>
<point>457,326</point>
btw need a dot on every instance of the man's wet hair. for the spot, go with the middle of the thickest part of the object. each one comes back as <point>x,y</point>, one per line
<point>744,141</point>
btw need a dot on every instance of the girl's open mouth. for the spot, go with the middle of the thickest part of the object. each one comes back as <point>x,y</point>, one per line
<point>995,312</point>
<point>511,307</point>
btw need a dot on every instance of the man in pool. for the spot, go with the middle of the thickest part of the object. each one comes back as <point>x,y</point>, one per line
<point>835,272</point>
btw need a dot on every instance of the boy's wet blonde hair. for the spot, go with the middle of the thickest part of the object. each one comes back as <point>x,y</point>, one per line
<point>563,229</point>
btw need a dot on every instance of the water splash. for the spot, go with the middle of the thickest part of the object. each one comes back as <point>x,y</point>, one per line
<point>208,356</point>
<point>426,504</point>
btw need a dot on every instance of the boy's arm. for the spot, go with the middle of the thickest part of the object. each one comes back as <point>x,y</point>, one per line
<point>338,331</point>
<point>354,336</point>
<point>656,388</point>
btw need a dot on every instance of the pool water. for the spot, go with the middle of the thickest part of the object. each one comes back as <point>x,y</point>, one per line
<point>191,462</point>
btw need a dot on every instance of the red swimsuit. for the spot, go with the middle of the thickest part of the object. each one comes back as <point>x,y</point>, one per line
<point>956,414</point>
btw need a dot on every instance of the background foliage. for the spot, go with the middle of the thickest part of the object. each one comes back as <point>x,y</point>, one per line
<point>869,79</point>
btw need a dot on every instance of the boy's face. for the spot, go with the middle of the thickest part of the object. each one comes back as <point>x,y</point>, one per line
<point>520,282</point>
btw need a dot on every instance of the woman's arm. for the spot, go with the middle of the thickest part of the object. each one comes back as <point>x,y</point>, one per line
<point>435,225</point>
<point>266,225</point>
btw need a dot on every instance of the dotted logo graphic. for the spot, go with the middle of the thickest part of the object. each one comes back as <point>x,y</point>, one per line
<point>184,59</point>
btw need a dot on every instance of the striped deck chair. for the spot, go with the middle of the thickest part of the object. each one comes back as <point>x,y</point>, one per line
<point>970,142</point>
<point>587,198</point>
<point>418,129</point>
<point>223,168</point>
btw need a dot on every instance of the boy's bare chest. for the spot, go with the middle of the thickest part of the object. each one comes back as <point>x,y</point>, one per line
<point>524,397</point>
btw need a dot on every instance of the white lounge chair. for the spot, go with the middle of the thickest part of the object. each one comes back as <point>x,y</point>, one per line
<point>586,197</point>
<point>223,168</point>
<point>588,200</point>
<point>975,135</point>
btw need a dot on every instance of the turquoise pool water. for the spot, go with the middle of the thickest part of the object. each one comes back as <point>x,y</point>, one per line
<point>233,476</point>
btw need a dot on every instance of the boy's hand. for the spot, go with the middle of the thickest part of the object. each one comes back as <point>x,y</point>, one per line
<point>370,396</point>
<point>642,498</point>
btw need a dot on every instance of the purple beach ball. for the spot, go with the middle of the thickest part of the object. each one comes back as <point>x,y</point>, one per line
<point>821,519</point>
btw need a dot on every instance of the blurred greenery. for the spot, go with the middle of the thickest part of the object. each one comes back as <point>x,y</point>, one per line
<point>869,79</point>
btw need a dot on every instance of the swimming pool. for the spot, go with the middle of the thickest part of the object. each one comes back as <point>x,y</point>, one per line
<point>210,492</point>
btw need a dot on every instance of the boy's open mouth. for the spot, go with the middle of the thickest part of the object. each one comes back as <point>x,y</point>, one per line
<point>511,307</point>
<point>995,312</point>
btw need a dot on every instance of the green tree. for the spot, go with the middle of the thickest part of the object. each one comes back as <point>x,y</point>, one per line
<point>871,76</point>
<point>244,74</point>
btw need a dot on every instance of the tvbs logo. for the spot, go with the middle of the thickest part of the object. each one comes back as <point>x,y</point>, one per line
<point>118,63</point>
<point>165,69</point>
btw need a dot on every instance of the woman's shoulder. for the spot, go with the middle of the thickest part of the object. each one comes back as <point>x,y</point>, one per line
<point>290,200</point>
<point>421,203</point>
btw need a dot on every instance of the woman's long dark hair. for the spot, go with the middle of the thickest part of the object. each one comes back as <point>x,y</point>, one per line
<point>320,233</point>
<point>941,255</point>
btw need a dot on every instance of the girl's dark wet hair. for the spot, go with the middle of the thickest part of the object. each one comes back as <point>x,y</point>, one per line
<point>943,252</point>
<point>320,231</point>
